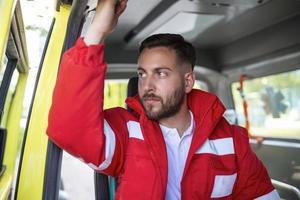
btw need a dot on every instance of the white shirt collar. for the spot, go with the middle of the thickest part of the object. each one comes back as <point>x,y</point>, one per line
<point>166,130</point>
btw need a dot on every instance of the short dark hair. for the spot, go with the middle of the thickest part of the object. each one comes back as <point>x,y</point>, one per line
<point>184,50</point>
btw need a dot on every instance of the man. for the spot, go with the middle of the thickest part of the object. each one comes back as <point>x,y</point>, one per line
<point>176,143</point>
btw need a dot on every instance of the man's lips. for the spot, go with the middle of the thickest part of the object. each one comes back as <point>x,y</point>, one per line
<point>151,99</point>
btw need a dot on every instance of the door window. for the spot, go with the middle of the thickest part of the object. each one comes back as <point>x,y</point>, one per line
<point>273,105</point>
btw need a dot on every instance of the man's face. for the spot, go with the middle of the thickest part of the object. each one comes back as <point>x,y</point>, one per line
<point>161,84</point>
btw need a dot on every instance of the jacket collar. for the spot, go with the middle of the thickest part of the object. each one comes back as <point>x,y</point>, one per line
<point>202,104</point>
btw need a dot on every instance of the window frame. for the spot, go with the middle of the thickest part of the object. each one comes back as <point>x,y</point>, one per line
<point>9,70</point>
<point>7,77</point>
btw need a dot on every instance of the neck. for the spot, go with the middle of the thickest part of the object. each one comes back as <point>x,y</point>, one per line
<point>181,120</point>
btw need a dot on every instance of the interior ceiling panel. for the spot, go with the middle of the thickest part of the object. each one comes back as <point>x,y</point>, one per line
<point>253,20</point>
<point>219,29</point>
<point>192,24</point>
<point>208,11</point>
<point>216,22</point>
<point>135,12</point>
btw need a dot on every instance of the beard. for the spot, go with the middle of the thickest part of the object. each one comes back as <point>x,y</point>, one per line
<point>169,107</point>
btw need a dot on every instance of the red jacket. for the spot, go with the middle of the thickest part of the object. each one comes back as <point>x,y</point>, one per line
<point>220,162</point>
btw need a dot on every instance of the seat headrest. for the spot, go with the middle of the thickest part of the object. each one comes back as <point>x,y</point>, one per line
<point>132,87</point>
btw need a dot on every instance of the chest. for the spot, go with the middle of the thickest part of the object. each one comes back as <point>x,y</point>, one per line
<point>211,173</point>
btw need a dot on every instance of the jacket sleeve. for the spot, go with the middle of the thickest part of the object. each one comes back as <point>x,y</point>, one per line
<point>76,120</point>
<point>253,181</point>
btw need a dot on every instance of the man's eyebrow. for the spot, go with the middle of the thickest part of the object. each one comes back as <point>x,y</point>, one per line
<point>140,68</point>
<point>156,69</point>
<point>163,68</point>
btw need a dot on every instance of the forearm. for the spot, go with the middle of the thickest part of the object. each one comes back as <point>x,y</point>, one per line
<point>105,20</point>
<point>94,36</point>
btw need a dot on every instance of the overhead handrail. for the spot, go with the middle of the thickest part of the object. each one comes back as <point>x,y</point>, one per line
<point>286,186</point>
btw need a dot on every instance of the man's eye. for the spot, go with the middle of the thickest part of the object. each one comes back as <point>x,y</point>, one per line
<point>162,74</point>
<point>141,74</point>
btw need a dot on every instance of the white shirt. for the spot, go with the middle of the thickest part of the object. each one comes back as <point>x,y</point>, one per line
<point>177,151</point>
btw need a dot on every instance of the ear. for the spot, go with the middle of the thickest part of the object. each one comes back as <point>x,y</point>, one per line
<point>189,79</point>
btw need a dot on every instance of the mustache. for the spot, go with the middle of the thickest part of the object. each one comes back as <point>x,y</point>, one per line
<point>151,96</point>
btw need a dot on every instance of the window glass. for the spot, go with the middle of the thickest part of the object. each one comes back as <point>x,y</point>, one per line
<point>2,68</point>
<point>77,179</point>
<point>13,82</point>
<point>273,105</point>
<point>115,93</point>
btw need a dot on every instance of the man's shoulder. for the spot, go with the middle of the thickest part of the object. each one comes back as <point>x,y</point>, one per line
<point>232,130</point>
<point>238,134</point>
<point>241,141</point>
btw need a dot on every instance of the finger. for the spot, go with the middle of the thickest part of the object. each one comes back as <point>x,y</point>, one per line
<point>103,3</point>
<point>120,7</point>
<point>106,1</point>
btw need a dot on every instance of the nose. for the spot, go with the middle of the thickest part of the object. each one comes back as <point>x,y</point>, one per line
<point>147,84</point>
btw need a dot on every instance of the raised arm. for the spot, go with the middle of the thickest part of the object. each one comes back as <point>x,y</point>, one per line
<point>76,118</point>
<point>105,19</point>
